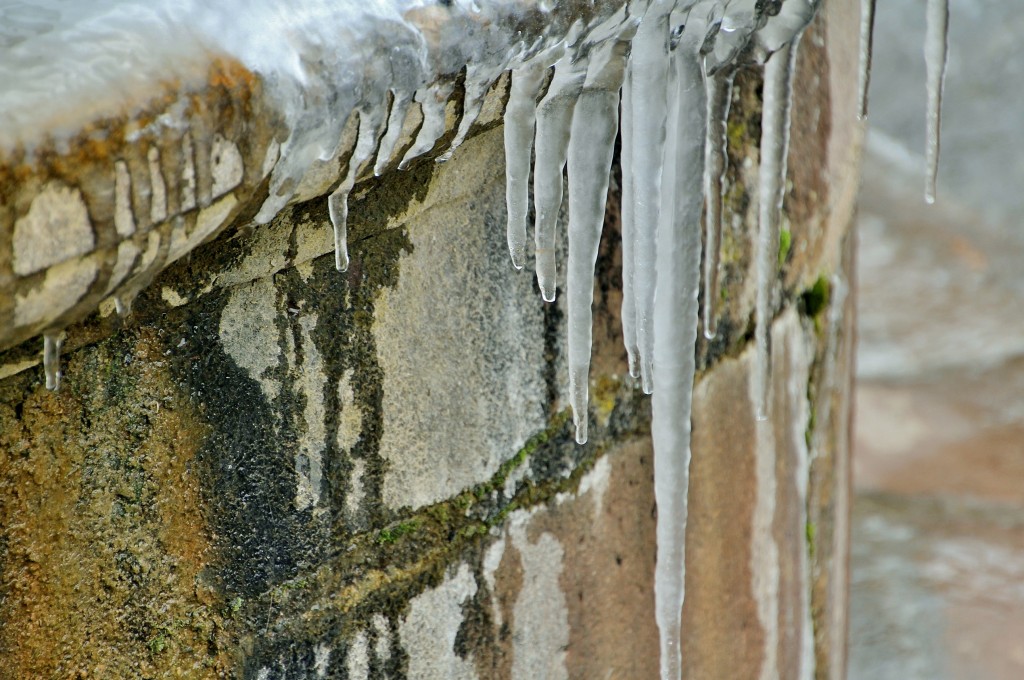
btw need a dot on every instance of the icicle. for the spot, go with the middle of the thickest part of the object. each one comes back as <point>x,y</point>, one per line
<point>649,113</point>
<point>719,96</point>
<point>399,109</point>
<point>51,359</point>
<point>520,119</point>
<point>739,21</point>
<point>554,120</point>
<point>595,123</point>
<point>867,32</point>
<point>778,74</point>
<point>478,81</point>
<point>675,337</point>
<point>370,121</point>
<point>935,48</point>
<point>628,229</point>
<point>432,101</point>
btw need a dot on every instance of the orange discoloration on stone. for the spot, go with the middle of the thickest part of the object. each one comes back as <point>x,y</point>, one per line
<point>106,542</point>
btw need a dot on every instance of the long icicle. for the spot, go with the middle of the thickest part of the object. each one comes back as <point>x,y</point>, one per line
<point>650,112</point>
<point>628,312</point>
<point>675,337</point>
<point>595,123</point>
<point>554,121</point>
<point>776,104</point>
<point>935,50</point>
<point>719,96</point>
<point>337,203</point>
<point>399,108</point>
<point>520,121</point>
<point>867,38</point>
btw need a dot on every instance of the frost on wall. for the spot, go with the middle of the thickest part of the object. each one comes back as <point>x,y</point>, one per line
<point>656,73</point>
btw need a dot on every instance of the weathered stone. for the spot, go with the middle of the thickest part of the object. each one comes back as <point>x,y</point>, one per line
<point>273,470</point>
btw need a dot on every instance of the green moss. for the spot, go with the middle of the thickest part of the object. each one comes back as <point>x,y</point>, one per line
<point>158,644</point>
<point>785,243</point>
<point>396,531</point>
<point>815,299</point>
<point>811,531</point>
<point>737,132</point>
<point>381,570</point>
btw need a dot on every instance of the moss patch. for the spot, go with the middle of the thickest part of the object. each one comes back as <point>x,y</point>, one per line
<point>104,539</point>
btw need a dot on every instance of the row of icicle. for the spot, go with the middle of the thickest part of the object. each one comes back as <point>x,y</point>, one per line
<point>663,83</point>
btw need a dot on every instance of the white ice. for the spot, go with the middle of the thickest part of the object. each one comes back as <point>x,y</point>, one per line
<point>649,111</point>
<point>554,120</point>
<point>719,96</point>
<point>370,121</point>
<point>520,119</point>
<point>675,332</point>
<point>778,74</point>
<point>867,34</point>
<point>592,142</point>
<point>935,49</point>
<point>432,101</point>
<point>51,359</point>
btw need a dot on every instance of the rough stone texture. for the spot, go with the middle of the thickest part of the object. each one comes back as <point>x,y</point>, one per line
<point>272,470</point>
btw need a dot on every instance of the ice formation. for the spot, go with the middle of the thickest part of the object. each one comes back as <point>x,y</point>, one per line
<point>656,73</point>
<point>867,33</point>
<point>935,49</point>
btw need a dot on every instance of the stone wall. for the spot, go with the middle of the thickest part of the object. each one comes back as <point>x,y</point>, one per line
<point>273,470</point>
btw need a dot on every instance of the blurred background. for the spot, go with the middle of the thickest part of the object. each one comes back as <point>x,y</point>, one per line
<point>937,582</point>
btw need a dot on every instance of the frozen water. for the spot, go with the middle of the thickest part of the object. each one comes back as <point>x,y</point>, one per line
<point>675,337</point>
<point>719,95</point>
<point>520,121</point>
<point>778,74</point>
<point>867,36</point>
<point>554,118</point>
<point>935,49</point>
<point>594,126</point>
<point>51,359</point>
<point>649,114</point>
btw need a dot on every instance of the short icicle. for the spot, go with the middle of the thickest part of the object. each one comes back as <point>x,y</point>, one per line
<point>432,100</point>
<point>649,114</point>
<point>675,337</point>
<point>778,76</point>
<point>478,82</point>
<point>595,123</point>
<point>867,36</point>
<point>52,343</point>
<point>337,203</point>
<point>520,120</point>
<point>628,312</point>
<point>399,108</point>
<point>935,50</point>
<point>719,96</point>
<point>554,121</point>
